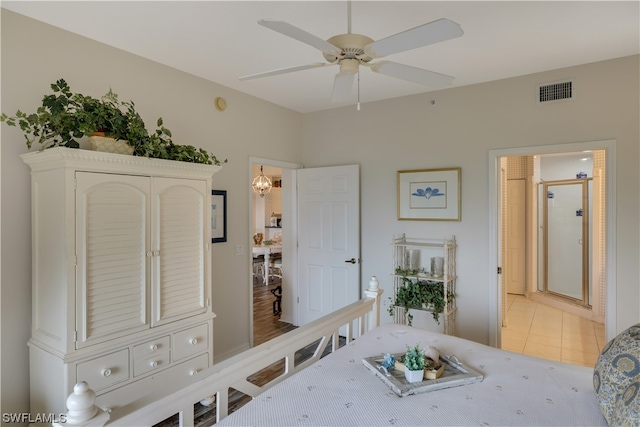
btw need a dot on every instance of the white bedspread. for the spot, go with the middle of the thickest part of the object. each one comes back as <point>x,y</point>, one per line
<point>339,390</point>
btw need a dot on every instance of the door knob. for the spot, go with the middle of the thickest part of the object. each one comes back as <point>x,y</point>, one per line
<point>352,260</point>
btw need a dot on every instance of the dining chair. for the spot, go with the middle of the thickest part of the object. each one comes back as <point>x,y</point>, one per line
<point>275,266</point>
<point>258,267</point>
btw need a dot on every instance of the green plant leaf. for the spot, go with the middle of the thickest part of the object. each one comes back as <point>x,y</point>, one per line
<point>65,117</point>
<point>415,293</point>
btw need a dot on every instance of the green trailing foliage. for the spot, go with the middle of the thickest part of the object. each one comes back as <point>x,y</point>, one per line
<point>65,117</point>
<point>419,294</point>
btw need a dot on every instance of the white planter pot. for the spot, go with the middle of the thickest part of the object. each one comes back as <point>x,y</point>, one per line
<point>413,376</point>
<point>110,145</point>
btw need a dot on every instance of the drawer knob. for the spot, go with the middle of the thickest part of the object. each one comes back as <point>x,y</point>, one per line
<point>106,372</point>
<point>154,364</point>
<point>193,341</point>
<point>192,373</point>
<point>153,347</point>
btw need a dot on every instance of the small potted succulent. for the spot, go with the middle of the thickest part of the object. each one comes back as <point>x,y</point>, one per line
<point>414,364</point>
<point>64,117</point>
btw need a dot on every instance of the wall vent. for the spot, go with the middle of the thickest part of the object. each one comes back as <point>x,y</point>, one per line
<point>559,91</point>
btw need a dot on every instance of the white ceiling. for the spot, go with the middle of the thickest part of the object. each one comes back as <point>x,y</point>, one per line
<point>221,41</point>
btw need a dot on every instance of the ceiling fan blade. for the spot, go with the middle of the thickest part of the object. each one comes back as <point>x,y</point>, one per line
<point>300,35</point>
<point>342,85</point>
<point>412,74</point>
<point>433,32</point>
<point>283,71</point>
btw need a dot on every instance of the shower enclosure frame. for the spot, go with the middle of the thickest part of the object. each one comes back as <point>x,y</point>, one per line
<point>544,198</point>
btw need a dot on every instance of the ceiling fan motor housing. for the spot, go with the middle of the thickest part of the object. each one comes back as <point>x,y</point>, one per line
<point>351,47</point>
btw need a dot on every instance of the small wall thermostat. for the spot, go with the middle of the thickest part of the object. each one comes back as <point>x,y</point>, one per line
<point>220,103</point>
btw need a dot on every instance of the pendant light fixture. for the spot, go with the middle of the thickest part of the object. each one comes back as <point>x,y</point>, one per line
<point>261,184</point>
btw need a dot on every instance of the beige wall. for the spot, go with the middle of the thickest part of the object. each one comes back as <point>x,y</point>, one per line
<point>458,131</point>
<point>384,137</point>
<point>35,55</point>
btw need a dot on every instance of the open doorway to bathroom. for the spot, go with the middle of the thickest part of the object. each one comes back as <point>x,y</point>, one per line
<point>552,249</point>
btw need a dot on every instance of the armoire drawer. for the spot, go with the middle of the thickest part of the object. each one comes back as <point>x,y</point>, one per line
<point>194,366</point>
<point>159,345</point>
<point>145,385</point>
<point>190,341</point>
<point>155,362</point>
<point>104,371</point>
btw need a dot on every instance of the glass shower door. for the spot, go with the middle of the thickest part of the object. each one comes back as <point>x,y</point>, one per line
<point>566,239</point>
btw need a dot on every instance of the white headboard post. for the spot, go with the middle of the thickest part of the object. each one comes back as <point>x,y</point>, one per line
<point>374,292</point>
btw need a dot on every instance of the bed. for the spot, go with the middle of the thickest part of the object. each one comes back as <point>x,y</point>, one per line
<point>340,389</point>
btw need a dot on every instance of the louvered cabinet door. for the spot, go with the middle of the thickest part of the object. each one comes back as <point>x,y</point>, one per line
<point>112,229</point>
<point>179,244</point>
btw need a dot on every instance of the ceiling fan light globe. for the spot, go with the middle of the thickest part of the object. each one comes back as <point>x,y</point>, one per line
<point>349,66</point>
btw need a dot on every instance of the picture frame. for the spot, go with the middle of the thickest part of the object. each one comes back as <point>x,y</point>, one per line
<point>430,194</point>
<point>218,216</point>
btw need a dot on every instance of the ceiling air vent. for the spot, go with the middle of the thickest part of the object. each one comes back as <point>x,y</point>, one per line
<point>560,91</point>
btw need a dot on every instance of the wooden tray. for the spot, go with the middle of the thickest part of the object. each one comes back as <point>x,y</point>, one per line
<point>455,374</point>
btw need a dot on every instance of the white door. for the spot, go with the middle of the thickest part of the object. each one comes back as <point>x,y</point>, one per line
<point>328,240</point>
<point>516,255</point>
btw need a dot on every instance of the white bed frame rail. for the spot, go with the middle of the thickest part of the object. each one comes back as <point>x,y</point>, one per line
<point>180,397</point>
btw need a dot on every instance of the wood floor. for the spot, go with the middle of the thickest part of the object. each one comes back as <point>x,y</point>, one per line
<point>266,325</point>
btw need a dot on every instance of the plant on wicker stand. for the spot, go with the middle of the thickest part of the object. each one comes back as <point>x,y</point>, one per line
<point>419,294</point>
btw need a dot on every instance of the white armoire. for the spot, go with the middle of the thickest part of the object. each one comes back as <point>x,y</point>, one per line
<point>120,274</point>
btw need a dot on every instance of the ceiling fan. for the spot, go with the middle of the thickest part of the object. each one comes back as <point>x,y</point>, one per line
<point>349,51</point>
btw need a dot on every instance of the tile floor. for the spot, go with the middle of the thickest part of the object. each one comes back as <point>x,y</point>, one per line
<point>539,330</point>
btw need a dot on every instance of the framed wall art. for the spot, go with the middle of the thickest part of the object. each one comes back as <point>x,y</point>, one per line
<point>429,194</point>
<point>218,216</point>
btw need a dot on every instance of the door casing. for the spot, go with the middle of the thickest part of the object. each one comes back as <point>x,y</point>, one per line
<point>495,249</point>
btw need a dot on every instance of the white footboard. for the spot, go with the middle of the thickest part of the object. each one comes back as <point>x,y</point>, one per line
<point>180,397</point>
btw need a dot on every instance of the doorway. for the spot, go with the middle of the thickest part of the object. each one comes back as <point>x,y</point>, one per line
<point>321,245</point>
<point>549,310</point>
<point>498,218</point>
<point>278,205</point>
